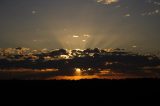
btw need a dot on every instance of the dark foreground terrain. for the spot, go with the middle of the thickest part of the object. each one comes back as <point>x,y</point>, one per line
<point>96,91</point>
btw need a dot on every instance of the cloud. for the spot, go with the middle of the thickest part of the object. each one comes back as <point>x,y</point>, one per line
<point>149,8</point>
<point>75,36</point>
<point>107,1</point>
<point>127,15</point>
<point>33,12</point>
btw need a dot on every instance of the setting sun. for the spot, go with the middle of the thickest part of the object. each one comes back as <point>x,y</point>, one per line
<point>78,70</point>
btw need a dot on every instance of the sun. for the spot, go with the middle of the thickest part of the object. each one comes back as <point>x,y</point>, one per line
<point>78,70</point>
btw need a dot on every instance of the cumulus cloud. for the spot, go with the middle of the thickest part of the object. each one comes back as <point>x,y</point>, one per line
<point>107,1</point>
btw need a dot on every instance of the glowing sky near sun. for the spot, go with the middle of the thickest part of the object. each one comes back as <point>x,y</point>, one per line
<point>80,23</point>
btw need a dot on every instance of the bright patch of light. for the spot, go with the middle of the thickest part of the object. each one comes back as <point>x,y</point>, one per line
<point>89,69</point>
<point>157,11</point>
<point>134,46</point>
<point>104,72</point>
<point>127,15</point>
<point>78,70</point>
<point>83,40</point>
<point>33,12</point>
<point>64,56</point>
<point>107,1</point>
<point>75,36</point>
<point>49,70</point>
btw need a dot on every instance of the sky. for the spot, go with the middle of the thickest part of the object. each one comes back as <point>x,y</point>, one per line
<point>80,24</point>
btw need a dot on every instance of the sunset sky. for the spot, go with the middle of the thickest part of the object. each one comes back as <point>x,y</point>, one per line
<point>80,23</point>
